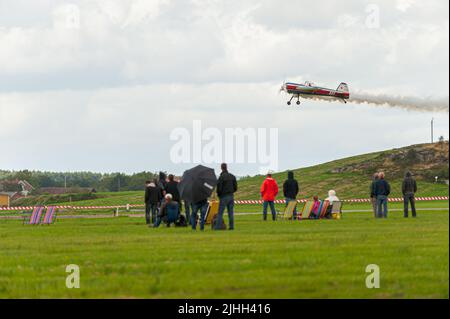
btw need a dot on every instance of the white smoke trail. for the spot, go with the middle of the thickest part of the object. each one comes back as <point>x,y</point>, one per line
<point>427,104</point>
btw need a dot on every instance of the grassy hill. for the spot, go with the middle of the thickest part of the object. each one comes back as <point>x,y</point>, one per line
<point>350,177</point>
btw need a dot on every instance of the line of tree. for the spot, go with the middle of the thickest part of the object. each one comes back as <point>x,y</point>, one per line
<point>103,182</point>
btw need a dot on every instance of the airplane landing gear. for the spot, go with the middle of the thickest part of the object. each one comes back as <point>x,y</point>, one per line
<point>298,100</point>
<point>289,102</point>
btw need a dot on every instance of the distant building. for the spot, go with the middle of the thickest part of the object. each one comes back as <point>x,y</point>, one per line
<point>15,189</point>
<point>26,187</point>
<point>5,199</point>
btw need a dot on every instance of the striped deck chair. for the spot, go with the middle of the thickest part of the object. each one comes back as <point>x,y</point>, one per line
<point>323,209</point>
<point>49,215</point>
<point>336,210</point>
<point>36,215</point>
<point>306,211</point>
<point>319,211</point>
<point>289,210</point>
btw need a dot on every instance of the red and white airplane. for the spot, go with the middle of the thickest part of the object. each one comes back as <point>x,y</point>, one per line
<point>310,91</point>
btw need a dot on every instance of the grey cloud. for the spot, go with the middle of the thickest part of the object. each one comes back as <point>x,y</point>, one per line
<point>105,95</point>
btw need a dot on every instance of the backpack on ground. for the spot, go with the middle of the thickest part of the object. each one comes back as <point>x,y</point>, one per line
<point>223,226</point>
<point>181,221</point>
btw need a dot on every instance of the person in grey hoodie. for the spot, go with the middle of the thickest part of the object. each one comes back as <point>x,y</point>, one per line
<point>409,188</point>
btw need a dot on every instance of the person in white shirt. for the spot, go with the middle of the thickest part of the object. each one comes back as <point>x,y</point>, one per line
<point>332,197</point>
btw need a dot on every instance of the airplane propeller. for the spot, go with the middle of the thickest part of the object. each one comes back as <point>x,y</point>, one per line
<point>282,88</point>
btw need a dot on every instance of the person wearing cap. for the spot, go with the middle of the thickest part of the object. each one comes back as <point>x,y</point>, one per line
<point>269,191</point>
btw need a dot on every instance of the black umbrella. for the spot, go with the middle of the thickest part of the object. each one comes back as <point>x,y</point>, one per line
<point>197,184</point>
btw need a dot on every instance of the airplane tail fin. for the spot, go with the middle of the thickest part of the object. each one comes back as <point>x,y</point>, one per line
<point>343,87</point>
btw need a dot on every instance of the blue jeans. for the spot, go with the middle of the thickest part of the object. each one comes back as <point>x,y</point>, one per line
<point>272,209</point>
<point>382,202</point>
<point>202,207</point>
<point>158,221</point>
<point>288,200</point>
<point>226,201</point>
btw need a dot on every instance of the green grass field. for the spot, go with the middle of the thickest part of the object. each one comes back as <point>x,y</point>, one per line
<point>122,258</point>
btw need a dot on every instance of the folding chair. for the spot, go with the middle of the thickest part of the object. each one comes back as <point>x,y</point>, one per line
<point>212,211</point>
<point>336,210</point>
<point>49,215</point>
<point>323,209</point>
<point>319,210</point>
<point>306,211</point>
<point>35,217</point>
<point>289,210</point>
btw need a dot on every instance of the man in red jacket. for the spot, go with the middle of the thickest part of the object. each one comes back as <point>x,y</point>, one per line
<point>269,190</point>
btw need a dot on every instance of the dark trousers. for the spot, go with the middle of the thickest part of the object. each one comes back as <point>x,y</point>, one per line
<point>408,198</point>
<point>227,202</point>
<point>272,209</point>
<point>196,208</point>
<point>150,212</point>
<point>187,210</point>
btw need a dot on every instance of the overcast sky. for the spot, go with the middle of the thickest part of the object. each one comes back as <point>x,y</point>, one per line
<point>99,85</point>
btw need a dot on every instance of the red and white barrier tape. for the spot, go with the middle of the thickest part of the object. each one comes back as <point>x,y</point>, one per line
<point>355,200</point>
<point>278,201</point>
<point>70,207</point>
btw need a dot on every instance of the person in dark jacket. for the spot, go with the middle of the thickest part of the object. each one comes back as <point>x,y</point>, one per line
<point>172,188</point>
<point>162,184</point>
<point>382,191</point>
<point>409,188</point>
<point>153,197</point>
<point>373,198</point>
<point>290,191</point>
<point>226,187</point>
